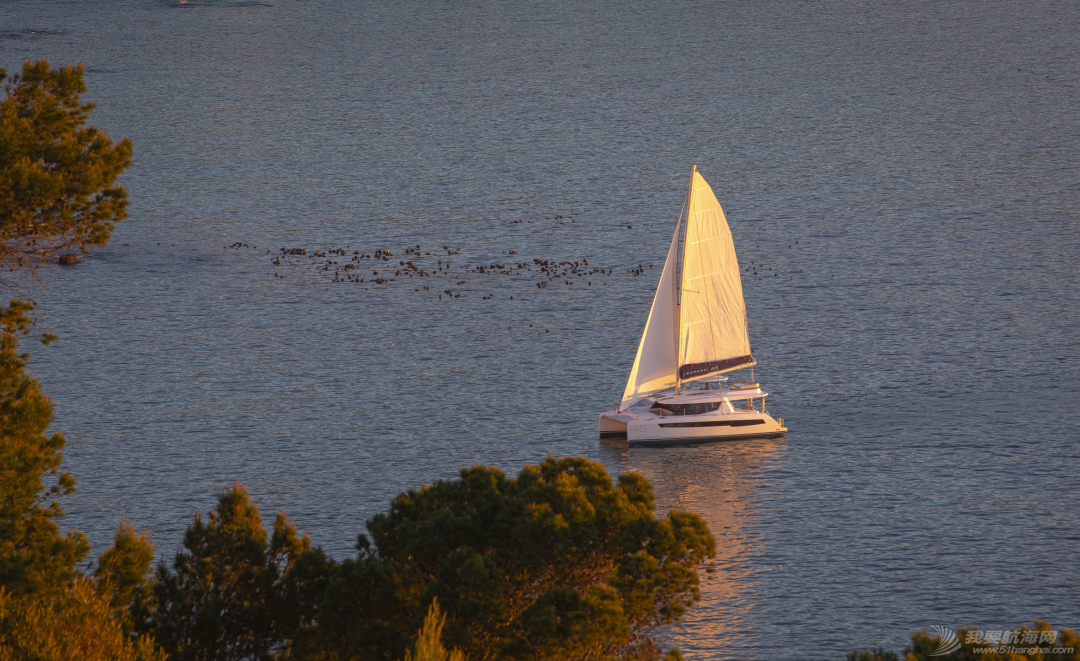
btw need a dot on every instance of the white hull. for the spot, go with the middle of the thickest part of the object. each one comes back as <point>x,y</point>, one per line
<point>645,429</point>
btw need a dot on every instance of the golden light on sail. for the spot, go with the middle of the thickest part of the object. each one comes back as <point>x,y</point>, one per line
<point>655,362</point>
<point>712,315</point>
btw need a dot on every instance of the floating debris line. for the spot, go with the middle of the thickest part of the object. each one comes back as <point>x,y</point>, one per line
<point>384,266</point>
<point>436,272</point>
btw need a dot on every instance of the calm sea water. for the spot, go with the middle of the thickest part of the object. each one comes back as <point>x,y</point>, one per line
<point>920,338</point>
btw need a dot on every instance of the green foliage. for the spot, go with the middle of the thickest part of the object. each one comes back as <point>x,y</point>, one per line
<point>559,563</point>
<point>75,624</point>
<point>56,191</point>
<point>429,645</point>
<point>57,177</point>
<point>34,557</point>
<point>121,576</point>
<point>234,594</point>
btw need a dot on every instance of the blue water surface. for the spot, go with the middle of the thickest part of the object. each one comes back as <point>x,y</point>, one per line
<point>901,178</point>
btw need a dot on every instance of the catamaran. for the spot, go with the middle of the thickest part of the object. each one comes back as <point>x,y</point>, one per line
<point>696,331</point>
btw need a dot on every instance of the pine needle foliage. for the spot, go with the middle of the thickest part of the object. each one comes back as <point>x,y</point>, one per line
<point>48,609</point>
<point>1066,647</point>
<point>57,177</point>
<point>35,558</point>
<point>75,624</point>
<point>429,645</point>
<point>57,190</point>
<point>234,594</point>
<point>121,576</point>
<point>559,563</point>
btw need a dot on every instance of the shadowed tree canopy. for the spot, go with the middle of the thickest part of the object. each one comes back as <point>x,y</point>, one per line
<point>559,563</point>
<point>35,558</point>
<point>233,594</point>
<point>57,176</point>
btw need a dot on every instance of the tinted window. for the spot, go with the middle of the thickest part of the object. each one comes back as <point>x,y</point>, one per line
<point>688,409</point>
<point>716,423</point>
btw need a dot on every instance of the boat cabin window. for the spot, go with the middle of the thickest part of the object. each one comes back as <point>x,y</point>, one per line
<point>687,409</point>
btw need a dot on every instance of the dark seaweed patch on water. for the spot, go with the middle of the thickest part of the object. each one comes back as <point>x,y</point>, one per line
<point>242,3</point>
<point>29,33</point>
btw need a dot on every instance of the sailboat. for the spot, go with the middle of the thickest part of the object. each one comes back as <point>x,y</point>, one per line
<point>696,332</point>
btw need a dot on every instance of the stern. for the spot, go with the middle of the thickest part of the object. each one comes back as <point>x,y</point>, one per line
<point>611,426</point>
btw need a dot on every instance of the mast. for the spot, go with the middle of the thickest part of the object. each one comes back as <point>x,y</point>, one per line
<point>682,269</point>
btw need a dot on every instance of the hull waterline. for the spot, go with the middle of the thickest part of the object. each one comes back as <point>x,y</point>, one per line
<point>682,430</point>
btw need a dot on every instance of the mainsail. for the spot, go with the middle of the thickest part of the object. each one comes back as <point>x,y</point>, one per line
<point>712,321</point>
<point>656,360</point>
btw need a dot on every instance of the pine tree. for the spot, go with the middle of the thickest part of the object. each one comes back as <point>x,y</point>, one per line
<point>233,594</point>
<point>121,576</point>
<point>35,558</point>
<point>57,176</point>
<point>57,190</point>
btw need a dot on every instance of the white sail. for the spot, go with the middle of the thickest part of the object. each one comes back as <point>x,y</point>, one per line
<point>656,360</point>
<point>712,324</point>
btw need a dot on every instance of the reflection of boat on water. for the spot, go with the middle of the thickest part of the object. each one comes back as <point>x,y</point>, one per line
<point>728,484</point>
<point>696,331</point>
